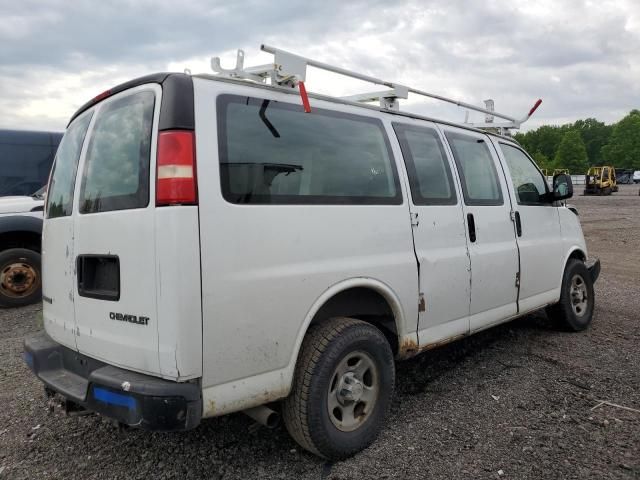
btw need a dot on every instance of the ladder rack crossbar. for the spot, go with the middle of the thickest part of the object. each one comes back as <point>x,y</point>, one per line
<point>289,69</point>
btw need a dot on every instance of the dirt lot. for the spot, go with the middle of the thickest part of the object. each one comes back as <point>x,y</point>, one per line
<point>512,402</point>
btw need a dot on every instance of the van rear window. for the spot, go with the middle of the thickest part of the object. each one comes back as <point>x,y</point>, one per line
<point>63,177</point>
<point>274,153</point>
<point>116,169</point>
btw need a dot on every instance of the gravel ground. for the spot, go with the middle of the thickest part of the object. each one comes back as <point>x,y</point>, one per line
<point>512,402</point>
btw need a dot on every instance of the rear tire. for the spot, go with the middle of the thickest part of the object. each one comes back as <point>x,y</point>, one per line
<point>342,388</point>
<point>574,311</point>
<point>20,277</point>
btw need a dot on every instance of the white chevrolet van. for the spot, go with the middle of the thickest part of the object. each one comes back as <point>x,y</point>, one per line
<point>213,245</point>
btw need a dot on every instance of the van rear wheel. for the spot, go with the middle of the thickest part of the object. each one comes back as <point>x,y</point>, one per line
<point>342,388</point>
<point>574,311</point>
<point>20,277</point>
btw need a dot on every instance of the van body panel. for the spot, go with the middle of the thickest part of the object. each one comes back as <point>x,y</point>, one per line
<point>25,160</point>
<point>572,237</point>
<point>178,292</point>
<point>439,233</point>
<point>58,249</point>
<point>494,253</point>
<point>258,299</point>
<point>58,281</point>
<point>116,331</point>
<point>540,243</point>
<point>216,298</point>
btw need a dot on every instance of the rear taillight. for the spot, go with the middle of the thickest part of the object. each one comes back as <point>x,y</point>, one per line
<point>176,170</point>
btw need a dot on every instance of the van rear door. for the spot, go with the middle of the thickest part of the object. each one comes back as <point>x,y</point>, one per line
<point>114,232</point>
<point>57,237</point>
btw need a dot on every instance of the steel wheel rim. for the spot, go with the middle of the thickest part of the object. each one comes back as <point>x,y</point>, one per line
<point>353,391</point>
<point>579,295</point>
<point>18,279</point>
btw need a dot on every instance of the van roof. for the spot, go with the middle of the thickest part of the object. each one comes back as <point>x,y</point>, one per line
<point>30,137</point>
<point>162,77</point>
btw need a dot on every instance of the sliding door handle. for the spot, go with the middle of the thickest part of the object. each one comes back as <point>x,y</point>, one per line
<point>471,223</point>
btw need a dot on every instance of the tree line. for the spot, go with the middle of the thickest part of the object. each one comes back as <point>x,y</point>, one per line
<point>577,146</point>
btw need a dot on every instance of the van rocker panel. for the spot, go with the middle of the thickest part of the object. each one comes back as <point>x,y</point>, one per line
<point>130,398</point>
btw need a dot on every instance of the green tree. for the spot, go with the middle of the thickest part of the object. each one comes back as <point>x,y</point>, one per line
<point>542,161</point>
<point>572,153</point>
<point>523,140</point>
<point>595,135</point>
<point>623,149</point>
<point>544,139</point>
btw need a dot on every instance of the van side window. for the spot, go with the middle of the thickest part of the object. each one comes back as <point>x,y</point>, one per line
<point>528,183</point>
<point>63,176</point>
<point>429,173</point>
<point>274,153</point>
<point>480,184</point>
<point>116,170</point>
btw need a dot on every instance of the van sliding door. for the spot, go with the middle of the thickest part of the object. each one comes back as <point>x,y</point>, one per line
<point>439,235</point>
<point>492,240</point>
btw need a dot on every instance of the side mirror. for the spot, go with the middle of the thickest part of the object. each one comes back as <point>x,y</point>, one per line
<point>562,187</point>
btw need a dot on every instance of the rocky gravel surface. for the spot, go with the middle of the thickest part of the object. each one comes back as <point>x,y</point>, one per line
<point>517,401</point>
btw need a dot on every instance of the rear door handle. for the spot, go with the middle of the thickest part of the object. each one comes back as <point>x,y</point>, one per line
<point>518,224</point>
<point>471,223</point>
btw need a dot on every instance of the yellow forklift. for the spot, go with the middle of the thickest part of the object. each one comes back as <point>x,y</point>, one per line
<point>560,170</point>
<point>600,181</point>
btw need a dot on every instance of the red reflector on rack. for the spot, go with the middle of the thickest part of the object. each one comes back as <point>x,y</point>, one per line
<point>305,97</point>
<point>535,107</point>
<point>176,169</point>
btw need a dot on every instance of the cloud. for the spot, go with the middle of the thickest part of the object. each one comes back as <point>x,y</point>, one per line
<point>580,56</point>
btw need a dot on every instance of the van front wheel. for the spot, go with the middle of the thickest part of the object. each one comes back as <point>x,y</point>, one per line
<point>342,388</point>
<point>20,277</point>
<point>574,311</point>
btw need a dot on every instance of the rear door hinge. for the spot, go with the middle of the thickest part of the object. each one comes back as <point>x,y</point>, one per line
<point>414,219</point>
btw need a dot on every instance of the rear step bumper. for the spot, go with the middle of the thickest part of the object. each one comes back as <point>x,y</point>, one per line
<point>128,397</point>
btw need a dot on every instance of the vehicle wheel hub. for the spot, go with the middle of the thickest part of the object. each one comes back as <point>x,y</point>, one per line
<point>579,295</point>
<point>353,391</point>
<point>18,279</point>
<point>349,389</point>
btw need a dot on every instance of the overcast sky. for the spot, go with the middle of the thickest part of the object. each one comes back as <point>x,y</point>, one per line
<point>581,57</point>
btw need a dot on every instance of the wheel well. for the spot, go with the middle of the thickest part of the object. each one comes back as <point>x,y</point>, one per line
<point>578,255</point>
<point>364,304</point>
<point>20,239</point>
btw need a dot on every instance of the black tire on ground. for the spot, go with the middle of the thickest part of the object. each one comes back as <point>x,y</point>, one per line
<point>328,349</point>
<point>20,277</point>
<point>574,311</point>
<point>607,191</point>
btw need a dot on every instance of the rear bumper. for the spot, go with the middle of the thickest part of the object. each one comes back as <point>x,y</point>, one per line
<point>131,398</point>
<point>593,265</point>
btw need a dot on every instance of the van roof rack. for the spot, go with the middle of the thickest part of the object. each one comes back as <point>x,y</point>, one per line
<point>290,70</point>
